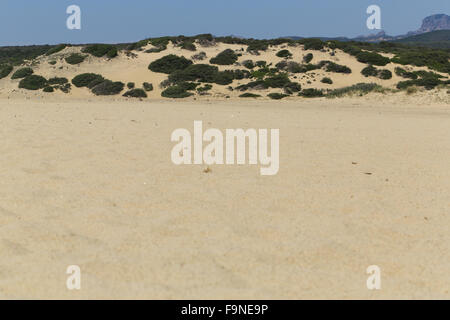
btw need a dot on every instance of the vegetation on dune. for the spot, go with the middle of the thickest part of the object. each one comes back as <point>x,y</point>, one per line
<point>56,81</point>
<point>147,86</point>
<point>75,58</point>
<point>326,80</point>
<point>308,58</point>
<point>249,95</point>
<point>311,93</point>
<point>169,64</point>
<point>226,57</point>
<point>22,73</point>
<point>277,96</point>
<point>33,82</point>
<point>100,50</point>
<point>56,49</point>
<point>85,79</point>
<point>48,89</point>
<point>176,91</point>
<point>334,67</point>
<point>108,88</point>
<point>371,71</point>
<point>284,54</point>
<point>372,58</point>
<point>359,89</point>
<point>405,74</point>
<point>130,85</point>
<point>5,70</point>
<point>135,93</point>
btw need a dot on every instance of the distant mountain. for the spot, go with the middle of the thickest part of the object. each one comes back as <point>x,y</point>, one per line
<point>433,39</point>
<point>430,24</point>
<point>434,23</point>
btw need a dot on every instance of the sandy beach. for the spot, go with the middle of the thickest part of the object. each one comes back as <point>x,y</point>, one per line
<point>90,183</point>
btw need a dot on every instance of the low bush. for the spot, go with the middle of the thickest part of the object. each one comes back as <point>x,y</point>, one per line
<point>75,58</point>
<point>195,72</point>
<point>427,83</point>
<point>169,64</point>
<point>248,64</point>
<point>224,77</point>
<point>311,93</point>
<point>108,88</point>
<point>308,58</point>
<point>5,70</point>
<point>292,87</point>
<point>48,89</point>
<point>369,71</point>
<point>226,57</point>
<point>33,82</point>
<point>135,93</point>
<point>176,92</point>
<point>84,79</point>
<point>204,89</point>
<point>188,45</point>
<point>56,49</point>
<point>99,50</point>
<point>334,67</point>
<point>326,80</point>
<point>249,95</point>
<point>385,74</point>
<point>359,89</point>
<point>130,85</point>
<point>277,81</point>
<point>56,80</point>
<point>277,96</point>
<point>312,44</point>
<point>405,74</point>
<point>147,86</point>
<point>22,73</point>
<point>372,58</point>
<point>64,87</point>
<point>284,54</point>
<point>199,56</point>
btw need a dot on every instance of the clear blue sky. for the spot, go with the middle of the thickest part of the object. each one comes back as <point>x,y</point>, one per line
<point>44,21</point>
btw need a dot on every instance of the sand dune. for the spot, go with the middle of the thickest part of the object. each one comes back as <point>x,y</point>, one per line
<point>91,183</point>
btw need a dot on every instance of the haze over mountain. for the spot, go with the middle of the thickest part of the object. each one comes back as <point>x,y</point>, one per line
<point>431,23</point>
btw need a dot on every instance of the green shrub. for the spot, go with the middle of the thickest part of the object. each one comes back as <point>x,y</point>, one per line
<point>33,82</point>
<point>22,73</point>
<point>169,64</point>
<point>249,95</point>
<point>255,46</point>
<point>48,89</point>
<point>195,72</point>
<point>292,87</point>
<point>284,54</point>
<point>427,83</point>
<point>277,96</point>
<point>84,79</point>
<point>385,74</point>
<point>176,92</point>
<point>56,80</point>
<point>277,81</point>
<point>99,50</point>
<point>56,49</point>
<point>334,67</point>
<point>112,53</point>
<point>359,89</point>
<point>311,93</point>
<point>64,87</point>
<point>405,74</point>
<point>369,71</point>
<point>434,59</point>
<point>204,89</point>
<point>188,45</point>
<point>261,63</point>
<point>75,58</point>
<point>226,57</point>
<point>5,70</point>
<point>108,88</point>
<point>130,85</point>
<point>248,64</point>
<point>312,44</point>
<point>224,77</point>
<point>147,86</point>
<point>308,58</point>
<point>199,56</point>
<point>135,93</point>
<point>326,80</point>
<point>372,58</point>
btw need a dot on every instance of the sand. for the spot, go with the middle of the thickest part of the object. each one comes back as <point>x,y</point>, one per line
<point>91,183</point>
